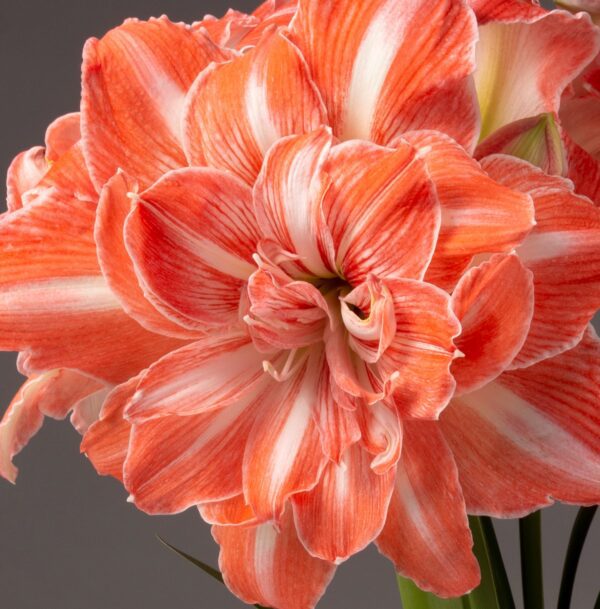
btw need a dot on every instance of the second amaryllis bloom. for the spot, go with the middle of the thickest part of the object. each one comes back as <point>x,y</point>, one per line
<point>267,275</point>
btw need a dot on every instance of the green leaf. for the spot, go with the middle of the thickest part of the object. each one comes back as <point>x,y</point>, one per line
<point>215,573</point>
<point>494,590</point>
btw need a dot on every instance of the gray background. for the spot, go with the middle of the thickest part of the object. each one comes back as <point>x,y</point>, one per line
<point>68,539</point>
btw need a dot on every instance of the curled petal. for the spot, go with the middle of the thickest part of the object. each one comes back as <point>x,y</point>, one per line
<point>25,172</point>
<point>135,80</point>
<point>197,226</point>
<point>106,441</point>
<point>235,111</point>
<point>369,316</point>
<point>382,211</point>
<point>531,437</point>
<point>346,510</point>
<point>385,67</point>
<point>478,215</point>
<point>62,134</point>
<point>523,67</point>
<point>584,171</point>
<point>427,534</point>
<point>284,314</point>
<point>417,362</point>
<point>51,394</point>
<point>268,565</point>
<point>494,303</point>
<point>563,251</point>
<point>228,512</point>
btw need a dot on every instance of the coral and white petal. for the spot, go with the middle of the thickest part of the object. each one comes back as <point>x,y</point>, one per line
<point>478,214</point>
<point>563,251</point>
<point>25,172</point>
<point>237,110</point>
<point>427,534</point>
<point>51,394</point>
<point>346,510</point>
<point>417,362</point>
<point>385,67</point>
<point>196,225</point>
<point>62,134</point>
<point>531,436</point>
<point>116,201</point>
<point>135,80</point>
<point>283,454</point>
<point>213,371</point>
<point>382,211</point>
<point>54,303</point>
<point>494,303</point>
<point>524,67</point>
<point>269,565</point>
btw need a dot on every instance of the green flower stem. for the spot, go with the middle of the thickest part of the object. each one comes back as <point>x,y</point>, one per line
<point>494,590</point>
<point>530,534</point>
<point>580,530</point>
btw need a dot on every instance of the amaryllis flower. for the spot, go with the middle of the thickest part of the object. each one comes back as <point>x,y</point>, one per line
<point>344,328</point>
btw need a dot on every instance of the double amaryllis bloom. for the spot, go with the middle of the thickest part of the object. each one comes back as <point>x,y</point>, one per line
<point>319,272</point>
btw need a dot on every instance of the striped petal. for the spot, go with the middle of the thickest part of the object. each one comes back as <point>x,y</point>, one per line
<point>523,67</point>
<point>235,111</point>
<point>117,267</point>
<point>478,214</point>
<point>135,80</point>
<point>52,394</point>
<point>580,117</point>
<point>417,362</point>
<point>106,441</point>
<point>284,455</point>
<point>563,251</point>
<point>346,510</point>
<point>382,211</point>
<point>288,200</point>
<point>214,371</point>
<point>386,67</point>
<point>532,436</point>
<point>505,10</point>
<point>426,534</point>
<point>195,225</point>
<point>54,303</point>
<point>268,565</point>
<point>494,303</point>
<point>175,462</point>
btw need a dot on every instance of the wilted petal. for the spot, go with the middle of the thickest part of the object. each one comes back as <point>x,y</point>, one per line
<point>228,512</point>
<point>52,394</point>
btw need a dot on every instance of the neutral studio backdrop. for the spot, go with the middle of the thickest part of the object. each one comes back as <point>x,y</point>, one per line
<point>68,539</point>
